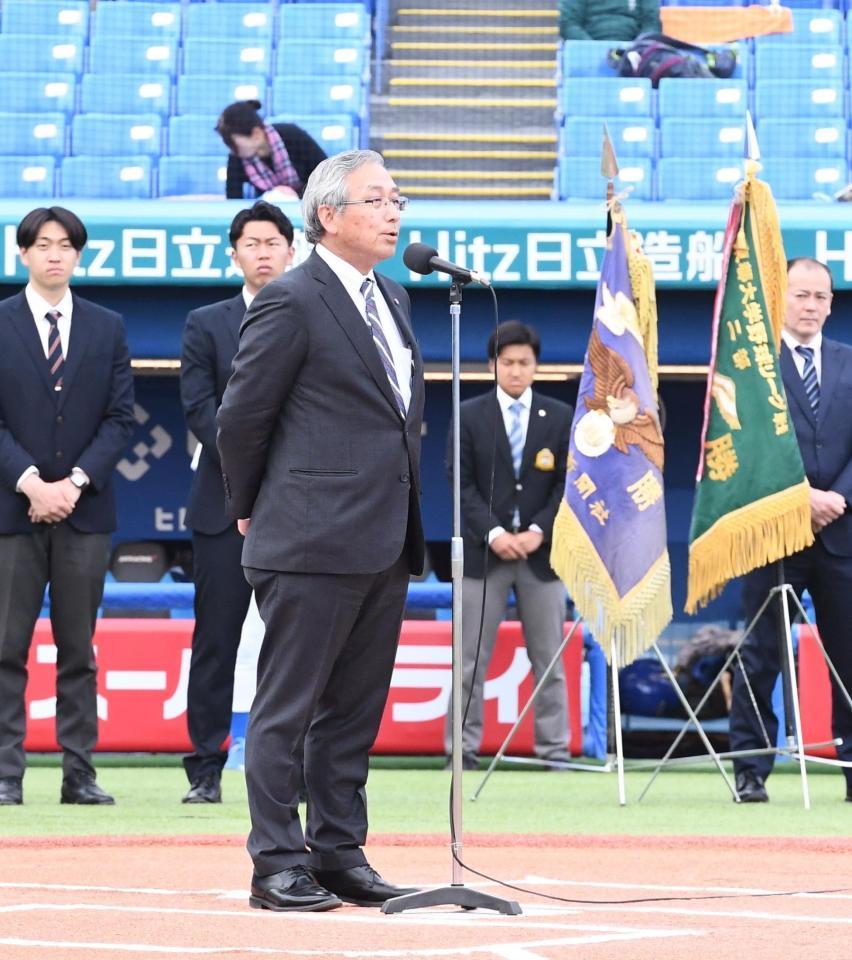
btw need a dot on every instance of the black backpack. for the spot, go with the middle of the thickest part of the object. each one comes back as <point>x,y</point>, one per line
<point>656,55</point>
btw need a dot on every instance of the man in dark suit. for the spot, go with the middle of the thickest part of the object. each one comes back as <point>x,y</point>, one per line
<point>262,248</point>
<point>510,545</point>
<point>66,413</point>
<point>817,376</point>
<point>319,435</point>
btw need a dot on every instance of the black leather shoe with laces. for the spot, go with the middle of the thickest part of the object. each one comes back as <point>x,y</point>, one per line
<point>360,885</point>
<point>293,888</point>
<point>206,789</point>
<point>11,791</point>
<point>81,788</point>
<point>750,788</point>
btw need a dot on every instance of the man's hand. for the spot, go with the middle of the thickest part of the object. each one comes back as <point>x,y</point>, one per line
<point>50,502</point>
<point>243,525</point>
<point>508,547</point>
<point>530,541</point>
<point>826,506</point>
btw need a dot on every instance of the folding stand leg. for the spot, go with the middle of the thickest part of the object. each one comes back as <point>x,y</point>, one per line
<point>784,590</point>
<point>616,722</point>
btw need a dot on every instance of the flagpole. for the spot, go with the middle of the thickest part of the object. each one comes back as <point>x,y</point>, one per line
<point>616,707</point>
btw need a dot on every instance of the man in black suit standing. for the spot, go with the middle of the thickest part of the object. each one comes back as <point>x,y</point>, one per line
<point>817,376</point>
<point>319,436</point>
<point>66,414</point>
<point>262,247</point>
<point>510,545</point>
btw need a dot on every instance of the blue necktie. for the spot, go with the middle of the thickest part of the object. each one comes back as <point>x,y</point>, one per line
<point>516,436</point>
<point>809,377</point>
<point>381,343</point>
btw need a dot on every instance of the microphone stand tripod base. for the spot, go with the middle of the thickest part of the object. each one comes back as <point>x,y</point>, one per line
<point>456,895</point>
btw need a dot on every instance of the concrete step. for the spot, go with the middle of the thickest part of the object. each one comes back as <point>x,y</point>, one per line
<point>477,191</point>
<point>527,88</point>
<point>511,13</point>
<point>460,114</point>
<point>524,162</point>
<point>468,69</point>
<point>416,139</point>
<point>490,50</point>
<point>481,33</point>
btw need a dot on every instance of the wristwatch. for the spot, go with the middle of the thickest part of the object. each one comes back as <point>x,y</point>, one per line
<point>79,479</point>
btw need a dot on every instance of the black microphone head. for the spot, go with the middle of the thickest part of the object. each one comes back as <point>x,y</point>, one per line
<point>417,258</point>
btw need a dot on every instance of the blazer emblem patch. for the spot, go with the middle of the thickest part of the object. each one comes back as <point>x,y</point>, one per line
<point>544,460</point>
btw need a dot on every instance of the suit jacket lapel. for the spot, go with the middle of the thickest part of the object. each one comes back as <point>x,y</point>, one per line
<point>21,319</point>
<point>236,311</point>
<point>794,384</point>
<point>78,344</point>
<point>504,451</point>
<point>832,367</point>
<point>536,432</point>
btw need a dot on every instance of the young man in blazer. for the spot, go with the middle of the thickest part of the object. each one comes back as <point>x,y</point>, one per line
<point>262,247</point>
<point>817,375</point>
<point>319,436</point>
<point>510,545</point>
<point>66,414</point>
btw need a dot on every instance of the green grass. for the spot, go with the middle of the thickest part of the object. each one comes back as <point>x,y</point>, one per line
<point>412,797</point>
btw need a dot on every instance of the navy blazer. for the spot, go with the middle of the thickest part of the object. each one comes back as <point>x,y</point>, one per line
<point>87,424</point>
<point>210,340</point>
<point>826,441</point>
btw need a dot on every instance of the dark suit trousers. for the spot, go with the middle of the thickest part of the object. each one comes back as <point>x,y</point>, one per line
<point>74,564</point>
<point>323,677</point>
<point>828,578</point>
<point>222,597</point>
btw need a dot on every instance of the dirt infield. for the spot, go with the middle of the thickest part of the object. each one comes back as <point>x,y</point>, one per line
<point>645,899</point>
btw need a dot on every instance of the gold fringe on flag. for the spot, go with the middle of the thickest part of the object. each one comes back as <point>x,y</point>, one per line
<point>635,620</point>
<point>761,532</point>
<point>769,251</point>
<point>645,301</point>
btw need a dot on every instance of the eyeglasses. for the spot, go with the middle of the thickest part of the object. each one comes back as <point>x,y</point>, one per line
<point>378,203</point>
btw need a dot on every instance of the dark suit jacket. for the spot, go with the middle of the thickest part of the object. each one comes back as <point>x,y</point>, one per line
<point>87,424</point>
<point>210,340</point>
<point>540,492</point>
<point>304,152</point>
<point>313,447</point>
<point>826,441</point>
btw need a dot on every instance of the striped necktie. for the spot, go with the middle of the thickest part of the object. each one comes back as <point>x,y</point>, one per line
<point>809,377</point>
<point>55,360</point>
<point>381,342</point>
<point>516,436</point>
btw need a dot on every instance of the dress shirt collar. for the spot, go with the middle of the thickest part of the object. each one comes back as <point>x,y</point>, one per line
<point>39,306</point>
<point>792,342</point>
<point>248,298</point>
<point>349,276</point>
<point>505,401</point>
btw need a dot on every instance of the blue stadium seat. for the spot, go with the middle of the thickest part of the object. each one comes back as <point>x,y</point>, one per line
<point>27,178</point>
<point>802,138</point>
<point>333,134</point>
<point>702,98</point>
<point>317,95</point>
<point>580,178</point>
<point>35,92</point>
<point>588,58</point>
<point>143,21</point>
<point>49,54</point>
<point>194,135</point>
<point>798,62</point>
<point>815,27</point>
<point>234,57</point>
<point>719,139</point>
<point>692,178</point>
<point>582,136</point>
<point>128,93</point>
<point>205,93</point>
<point>306,57</point>
<point>38,134</point>
<point>114,178</point>
<point>192,176</point>
<point>113,135</point>
<point>51,18</point>
<point>318,21</point>
<point>592,97</point>
<point>132,55</point>
<point>803,179</point>
<point>798,99</point>
<point>213,21</point>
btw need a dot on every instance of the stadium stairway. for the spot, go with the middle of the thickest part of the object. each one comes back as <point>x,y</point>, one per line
<point>468,98</point>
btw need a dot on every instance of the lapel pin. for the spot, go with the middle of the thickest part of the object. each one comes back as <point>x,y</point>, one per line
<point>396,301</point>
<point>542,413</point>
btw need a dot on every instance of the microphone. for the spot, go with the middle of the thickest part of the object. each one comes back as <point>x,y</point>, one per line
<point>422,259</point>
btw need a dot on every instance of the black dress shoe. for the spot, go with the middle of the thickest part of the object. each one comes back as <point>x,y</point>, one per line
<point>294,888</point>
<point>470,761</point>
<point>11,791</point>
<point>205,789</point>
<point>81,788</point>
<point>750,788</point>
<point>360,885</point>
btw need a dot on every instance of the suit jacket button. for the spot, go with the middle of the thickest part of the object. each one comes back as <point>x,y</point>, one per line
<point>59,454</point>
<point>60,419</point>
<point>403,478</point>
<point>519,486</point>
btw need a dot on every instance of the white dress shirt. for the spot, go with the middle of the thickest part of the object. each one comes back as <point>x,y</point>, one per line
<point>505,402</point>
<point>798,359</point>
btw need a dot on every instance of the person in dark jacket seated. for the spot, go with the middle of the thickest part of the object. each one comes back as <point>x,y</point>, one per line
<point>608,19</point>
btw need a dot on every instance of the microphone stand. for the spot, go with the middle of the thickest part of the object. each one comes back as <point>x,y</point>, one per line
<point>457,894</point>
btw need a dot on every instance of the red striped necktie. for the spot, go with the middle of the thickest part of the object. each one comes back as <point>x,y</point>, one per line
<point>55,360</point>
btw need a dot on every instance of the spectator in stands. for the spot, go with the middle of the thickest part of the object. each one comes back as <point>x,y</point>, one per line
<point>262,247</point>
<point>529,481</point>
<point>276,159</point>
<point>608,19</point>
<point>66,414</point>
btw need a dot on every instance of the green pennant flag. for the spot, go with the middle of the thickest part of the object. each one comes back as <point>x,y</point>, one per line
<point>752,499</point>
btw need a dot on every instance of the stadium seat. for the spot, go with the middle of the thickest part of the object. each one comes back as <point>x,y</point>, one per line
<point>802,138</point>
<point>588,58</point>
<point>798,62</point>
<point>580,179</point>
<point>719,139</point>
<point>592,97</point>
<point>815,27</point>
<point>582,136</point>
<point>804,179</point>
<point>143,21</point>
<point>27,178</point>
<point>128,93</point>
<point>36,134</point>
<point>48,54</point>
<point>702,98</point>
<point>192,176</point>
<point>321,21</point>
<point>333,134</point>
<point>36,92</point>
<point>215,21</point>
<point>194,135</point>
<point>307,57</point>
<point>116,178</point>
<point>798,99</point>
<point>226,57</point>
<point>51,18</point>
<point>132,55</point>
<point>112,135</point>
<point>204,93</point>
<point>317,95</point>
<point>697,178</point>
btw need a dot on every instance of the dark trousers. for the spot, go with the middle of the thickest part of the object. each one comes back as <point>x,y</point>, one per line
<point>222,597</point>
<point>828,578</point>
<point>74,564</point>
<point>323,677</point>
